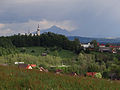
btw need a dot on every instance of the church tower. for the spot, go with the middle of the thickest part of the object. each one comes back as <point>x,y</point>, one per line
<point>38,30</point>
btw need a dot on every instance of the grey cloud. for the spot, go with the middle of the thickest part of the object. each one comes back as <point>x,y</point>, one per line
<point>99,16</point>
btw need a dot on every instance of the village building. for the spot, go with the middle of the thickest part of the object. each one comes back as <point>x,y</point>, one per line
<point>105,49</point>
<point>85,46</point>
<point>92,74</point>
<point>26,66</point>
<point>38,30</point>
<point>102,45</point>
<point>36,33</point>
<point>43,70</point>
<point>22,66</point>
<point>114,51</point>
<point>110,48</point>
<point>115,47</point>
<point>33,65</point>
<point>29,66</point>
<point>19,62</point>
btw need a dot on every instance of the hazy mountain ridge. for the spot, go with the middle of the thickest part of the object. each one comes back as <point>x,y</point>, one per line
<point>100,40</point>
<point>70,36</point>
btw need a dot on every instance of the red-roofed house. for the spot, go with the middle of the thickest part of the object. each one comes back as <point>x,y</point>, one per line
<point>98,44</point>
<point>101,45</point>
<point>92,74</point>
<point>29,66</point>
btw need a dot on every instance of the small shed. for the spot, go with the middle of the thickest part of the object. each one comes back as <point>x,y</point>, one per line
<point>19,62</point>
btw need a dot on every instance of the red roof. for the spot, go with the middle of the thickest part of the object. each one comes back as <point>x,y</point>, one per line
<point>91,74</point>
<point>33,65</point>
<point>98,44</point>
<point>115,46</point>
<point>102,45</point>
<point>28,66</point>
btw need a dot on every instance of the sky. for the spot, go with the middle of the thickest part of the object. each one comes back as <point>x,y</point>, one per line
<point>88,18</point>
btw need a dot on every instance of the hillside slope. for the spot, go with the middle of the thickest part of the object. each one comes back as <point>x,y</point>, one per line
<point>51,51</point>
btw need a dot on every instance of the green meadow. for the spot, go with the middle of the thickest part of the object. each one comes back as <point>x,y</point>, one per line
<point>51,51</point>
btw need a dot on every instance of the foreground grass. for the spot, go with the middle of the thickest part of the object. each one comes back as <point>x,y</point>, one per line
<point>13,78</point>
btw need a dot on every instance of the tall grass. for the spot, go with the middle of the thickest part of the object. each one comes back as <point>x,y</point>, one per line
<point>13,78</point>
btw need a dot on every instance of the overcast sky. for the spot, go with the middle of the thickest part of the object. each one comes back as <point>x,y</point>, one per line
<point>89,18</point>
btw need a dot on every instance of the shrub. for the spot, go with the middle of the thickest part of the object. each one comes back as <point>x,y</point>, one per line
<point>23,50</point>
<point>98,75</point>
<point>32,51</point>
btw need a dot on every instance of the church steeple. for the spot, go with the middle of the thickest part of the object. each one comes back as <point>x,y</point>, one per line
<point>38,30</point>
<point>38,26</point>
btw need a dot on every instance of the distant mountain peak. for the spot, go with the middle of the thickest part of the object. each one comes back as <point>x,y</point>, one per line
<point>54,26</point>
<point>56,29</point>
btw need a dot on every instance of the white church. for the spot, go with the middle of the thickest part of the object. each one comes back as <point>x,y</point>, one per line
<point>38,30</point>
<point>36,33</point>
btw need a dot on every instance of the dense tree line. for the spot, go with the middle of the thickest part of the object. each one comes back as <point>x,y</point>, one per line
<point>46,40</point>
<point>106,63</point>
<point>6,46</point>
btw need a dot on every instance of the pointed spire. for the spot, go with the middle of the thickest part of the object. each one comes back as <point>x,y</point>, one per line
<point>28,31</point>
<point>38,26</point>
<point>38,30</point>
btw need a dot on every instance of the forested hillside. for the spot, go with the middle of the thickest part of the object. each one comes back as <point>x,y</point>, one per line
<point>46,40</point>
<point>6,46</point>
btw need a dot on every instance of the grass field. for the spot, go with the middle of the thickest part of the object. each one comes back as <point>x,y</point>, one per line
<point>13,78</point>
<point>32,55</point>
<point>39,50</point>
